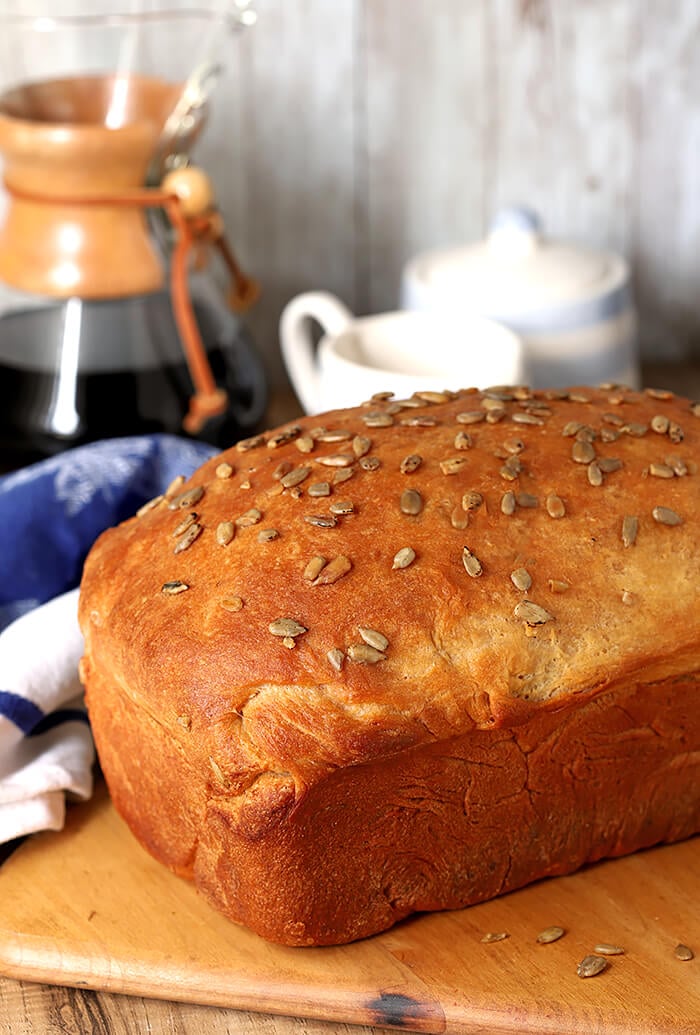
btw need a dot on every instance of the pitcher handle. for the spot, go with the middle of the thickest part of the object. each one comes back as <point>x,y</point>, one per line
<point>296,343</point>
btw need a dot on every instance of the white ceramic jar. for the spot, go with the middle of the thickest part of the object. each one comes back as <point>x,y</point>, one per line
<point>572,306</point>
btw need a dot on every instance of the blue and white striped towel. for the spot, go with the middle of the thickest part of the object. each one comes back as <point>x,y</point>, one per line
<point>46,748</point>
<point>51,513</point>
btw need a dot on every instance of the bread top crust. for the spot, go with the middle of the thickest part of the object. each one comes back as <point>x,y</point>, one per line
<point>465,647</point>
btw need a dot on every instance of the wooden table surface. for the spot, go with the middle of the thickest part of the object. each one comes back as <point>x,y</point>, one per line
<point>29,1009</point>
<point>33,1009</point>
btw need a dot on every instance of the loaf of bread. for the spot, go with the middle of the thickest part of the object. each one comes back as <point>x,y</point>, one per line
<point>407,656</point>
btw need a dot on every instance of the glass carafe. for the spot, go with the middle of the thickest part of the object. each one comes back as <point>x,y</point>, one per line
<point>97,106</point>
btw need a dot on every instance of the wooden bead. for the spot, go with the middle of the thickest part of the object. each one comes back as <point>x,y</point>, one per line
<point>193,187</point>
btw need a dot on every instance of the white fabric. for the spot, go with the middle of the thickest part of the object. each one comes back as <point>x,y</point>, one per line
<point>39,656</point>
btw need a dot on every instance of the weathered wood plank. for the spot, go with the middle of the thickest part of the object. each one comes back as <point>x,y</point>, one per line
<point>666,82</point>
<point>280,147</point>
<point>30,1009</point>
<point>428,112</point>
<point>562,116</point>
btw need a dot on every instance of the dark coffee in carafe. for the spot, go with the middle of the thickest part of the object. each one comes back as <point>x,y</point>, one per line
<point>76,371</point>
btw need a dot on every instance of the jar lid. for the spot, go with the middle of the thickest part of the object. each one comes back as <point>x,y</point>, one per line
<point>518,270</point>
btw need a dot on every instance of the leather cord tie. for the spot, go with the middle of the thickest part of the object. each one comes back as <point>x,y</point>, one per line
<point>204,228</point>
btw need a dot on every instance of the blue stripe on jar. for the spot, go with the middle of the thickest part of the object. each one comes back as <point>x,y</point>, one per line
<point>568,317</point>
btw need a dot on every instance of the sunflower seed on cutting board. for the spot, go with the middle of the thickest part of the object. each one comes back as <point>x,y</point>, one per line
<point>591,965</point>
<point>550,934</point>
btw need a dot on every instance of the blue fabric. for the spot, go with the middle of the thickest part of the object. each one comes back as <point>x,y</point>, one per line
<point>58,718</point>
<point>52,512</point>
<point>25,714</point>
<point>30,719</point>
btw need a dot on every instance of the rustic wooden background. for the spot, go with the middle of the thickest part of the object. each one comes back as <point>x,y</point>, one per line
<point>350,134</point>
<point>346,135</point>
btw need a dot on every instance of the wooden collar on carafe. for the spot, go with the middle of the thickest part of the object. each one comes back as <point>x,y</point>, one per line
<point>187,197</point>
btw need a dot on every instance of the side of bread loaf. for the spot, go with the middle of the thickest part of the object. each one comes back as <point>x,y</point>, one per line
<point>407,656</point>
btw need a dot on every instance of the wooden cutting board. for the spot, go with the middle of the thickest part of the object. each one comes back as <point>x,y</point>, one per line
<point>88,907</point>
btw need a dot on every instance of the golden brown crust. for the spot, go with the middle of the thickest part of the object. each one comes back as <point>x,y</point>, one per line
<point>610,602</point>
<point>446,825</point>
<point>439,826</point>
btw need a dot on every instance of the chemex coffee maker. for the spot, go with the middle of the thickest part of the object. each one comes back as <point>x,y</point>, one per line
<point>111,318</point>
